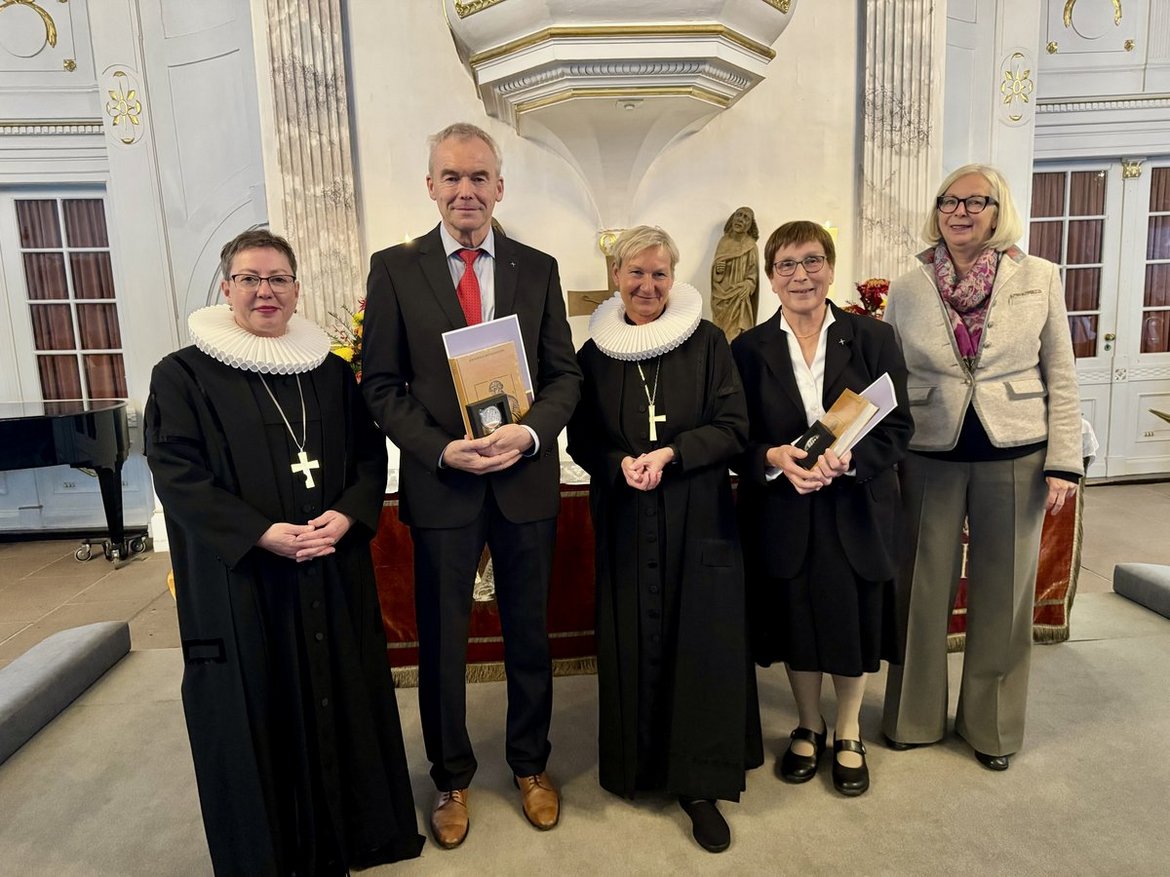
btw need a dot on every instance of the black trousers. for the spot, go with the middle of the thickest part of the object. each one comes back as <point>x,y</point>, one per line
<point>445,562</point>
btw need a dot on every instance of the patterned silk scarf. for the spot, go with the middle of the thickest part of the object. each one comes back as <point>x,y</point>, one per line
<point>966,300</point>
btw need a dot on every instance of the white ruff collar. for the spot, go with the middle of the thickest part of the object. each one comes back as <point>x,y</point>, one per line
<point>302,347</point>
<point>618,339</point>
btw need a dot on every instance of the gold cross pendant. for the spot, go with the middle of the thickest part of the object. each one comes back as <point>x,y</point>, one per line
<point>305,466</point>
<point>654,421</point>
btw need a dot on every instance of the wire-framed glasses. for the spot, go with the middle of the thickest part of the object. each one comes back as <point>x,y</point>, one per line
<point>278,283</point>
<point>787,267</point>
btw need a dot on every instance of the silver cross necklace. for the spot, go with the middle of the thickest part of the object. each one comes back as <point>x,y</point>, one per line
<point>655,419</point>
<point>303,465</point>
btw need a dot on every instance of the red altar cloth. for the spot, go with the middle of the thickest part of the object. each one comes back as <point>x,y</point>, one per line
<point>1056,579</point>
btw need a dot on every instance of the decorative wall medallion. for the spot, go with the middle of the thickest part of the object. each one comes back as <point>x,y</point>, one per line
<point>124,108</point>
<point>23,38</point>
<point>464,8</point>
<point>69,64</point>
<point>1017,85</point>
<point>1068,12</point>
<point>1052,47</point>
<point>783,5</point>
<point>1131,168</point>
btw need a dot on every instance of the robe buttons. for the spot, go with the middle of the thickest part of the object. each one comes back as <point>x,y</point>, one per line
<point>319,637</point>
<point>316,604</point>
<point>324,701</point>
<point>641,408</point>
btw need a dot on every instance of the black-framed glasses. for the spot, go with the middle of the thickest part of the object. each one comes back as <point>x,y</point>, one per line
<point>278,283</point>
<point>973,203</point>
<point>787,267</point>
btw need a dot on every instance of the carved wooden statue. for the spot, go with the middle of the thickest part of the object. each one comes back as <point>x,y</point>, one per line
<point>735,275</point>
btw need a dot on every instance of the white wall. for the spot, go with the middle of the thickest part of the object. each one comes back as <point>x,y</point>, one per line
<point>786,149</point>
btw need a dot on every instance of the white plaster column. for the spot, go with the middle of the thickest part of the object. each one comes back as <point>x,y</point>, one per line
<point>991,90</point>
<point>308,156</point>
<point>902,151</point>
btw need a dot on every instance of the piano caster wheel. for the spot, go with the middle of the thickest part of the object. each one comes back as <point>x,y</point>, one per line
<point>137,545</point>
<point>83,553</point>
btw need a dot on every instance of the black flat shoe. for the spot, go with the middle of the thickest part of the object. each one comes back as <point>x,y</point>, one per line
<point>793,768</point>
<point>898,745</point>
<point>850,781</point>
<point>992,762</point>
<point>707,825</point>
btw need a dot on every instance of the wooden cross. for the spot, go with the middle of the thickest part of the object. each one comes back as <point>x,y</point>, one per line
<point>306,465</point>
<point>654,421</point>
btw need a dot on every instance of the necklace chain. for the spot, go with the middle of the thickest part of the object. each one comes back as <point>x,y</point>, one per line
<point>304,417</point>
<point>650,396</point>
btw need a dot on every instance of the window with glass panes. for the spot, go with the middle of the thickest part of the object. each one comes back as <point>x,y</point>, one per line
<point>70,282</point>
<point>1156,300</point>
<point>1068,217</point>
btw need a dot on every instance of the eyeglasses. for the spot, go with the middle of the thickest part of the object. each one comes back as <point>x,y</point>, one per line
<point>278,283</point>
<point>973,203</point>
<point>787,267</point>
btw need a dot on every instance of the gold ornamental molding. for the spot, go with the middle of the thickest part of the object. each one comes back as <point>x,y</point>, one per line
<point>551,34</point>
<point>125,108</point>
<point>1131,168</point>
<point>1052,47</point>
<point>1017,85</point>
<point>50,25</point>
<point>783,5</point>
<point>620,92</point>
<point>470,7</point>
<point>1068,12</point>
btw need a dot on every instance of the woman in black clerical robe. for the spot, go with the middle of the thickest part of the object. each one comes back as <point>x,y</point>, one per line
<point>661,413</point>
<point>271,475</point>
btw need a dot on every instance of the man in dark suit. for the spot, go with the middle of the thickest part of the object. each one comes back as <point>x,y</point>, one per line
<point>457,492</point>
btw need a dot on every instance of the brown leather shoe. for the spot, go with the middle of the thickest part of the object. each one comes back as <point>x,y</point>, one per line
<point>449,821</point>
<point>542,802</point>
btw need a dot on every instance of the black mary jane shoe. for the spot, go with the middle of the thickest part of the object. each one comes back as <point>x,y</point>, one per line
<point>707,824</point>
<point>992,762</point>
<point>793,768</point>
<point>850,781</point>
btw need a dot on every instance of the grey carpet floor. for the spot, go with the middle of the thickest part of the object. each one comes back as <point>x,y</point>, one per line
<point>108,788</point>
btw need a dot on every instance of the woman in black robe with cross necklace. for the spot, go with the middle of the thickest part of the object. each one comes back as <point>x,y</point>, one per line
<point>271,475</point>
<point>661,413</point>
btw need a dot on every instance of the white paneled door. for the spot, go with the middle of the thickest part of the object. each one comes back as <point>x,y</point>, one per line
<point>1107,224</point>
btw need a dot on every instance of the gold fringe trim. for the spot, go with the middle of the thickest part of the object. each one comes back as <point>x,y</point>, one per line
<point>493,671</point>
<point>1048,634</point>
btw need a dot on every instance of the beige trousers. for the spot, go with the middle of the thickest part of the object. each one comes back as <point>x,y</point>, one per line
<point>1004,503</point>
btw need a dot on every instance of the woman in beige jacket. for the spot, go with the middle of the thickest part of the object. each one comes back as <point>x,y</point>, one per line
<point>993,392</point>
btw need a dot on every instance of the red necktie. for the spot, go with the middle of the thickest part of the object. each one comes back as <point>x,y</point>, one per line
<point>468,290</point>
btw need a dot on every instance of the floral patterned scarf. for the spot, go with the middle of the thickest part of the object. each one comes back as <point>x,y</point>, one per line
<point>966,300</point>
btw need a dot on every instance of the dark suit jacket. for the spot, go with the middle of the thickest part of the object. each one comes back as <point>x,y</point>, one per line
<point>407,382</point>
<point>774,517</point>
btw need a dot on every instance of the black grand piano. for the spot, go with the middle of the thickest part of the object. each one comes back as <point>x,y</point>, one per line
<point>85,435</point>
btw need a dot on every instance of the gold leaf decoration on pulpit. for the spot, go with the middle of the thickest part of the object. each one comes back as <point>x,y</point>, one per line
<point>1068,12</point>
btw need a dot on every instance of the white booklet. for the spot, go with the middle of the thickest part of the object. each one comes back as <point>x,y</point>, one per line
<point>881,394</point>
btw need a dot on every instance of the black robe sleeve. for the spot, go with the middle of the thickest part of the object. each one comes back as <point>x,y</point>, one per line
<point>362,499</point>
<point>724,426</point>
<point>179,457</point>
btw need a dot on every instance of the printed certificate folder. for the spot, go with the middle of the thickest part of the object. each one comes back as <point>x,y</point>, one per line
<point>490,372</point>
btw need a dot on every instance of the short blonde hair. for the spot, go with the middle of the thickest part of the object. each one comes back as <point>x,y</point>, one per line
<point>1008,228</point>
<point>641,238</point>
